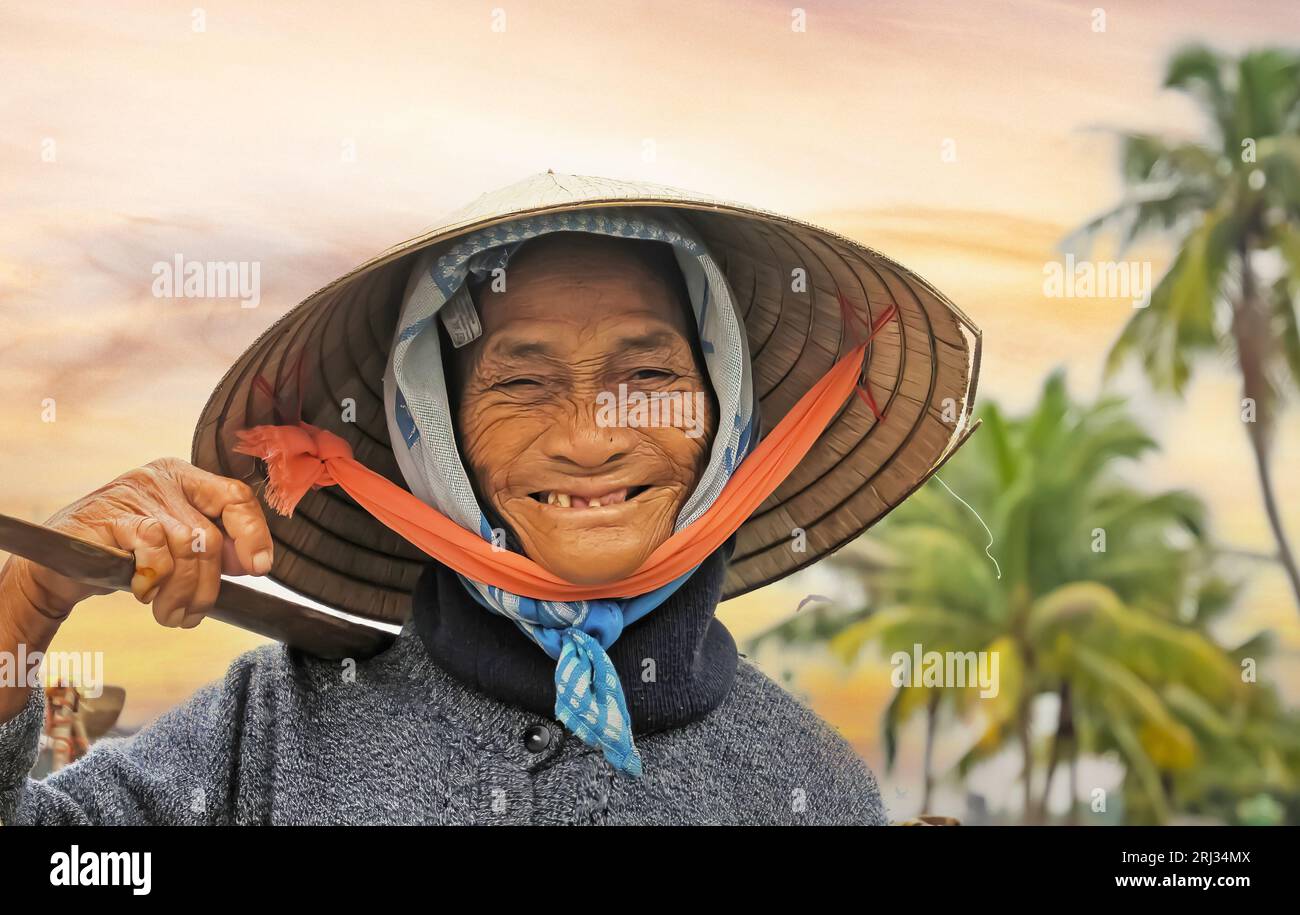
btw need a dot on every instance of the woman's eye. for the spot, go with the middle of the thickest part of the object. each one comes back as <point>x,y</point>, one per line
<point>651,375</point>
<point>520,384</point>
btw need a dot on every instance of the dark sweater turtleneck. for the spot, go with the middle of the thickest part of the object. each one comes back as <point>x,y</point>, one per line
<point>677,663</point>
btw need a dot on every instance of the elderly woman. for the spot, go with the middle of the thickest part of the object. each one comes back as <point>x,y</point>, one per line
<point>549,438</point>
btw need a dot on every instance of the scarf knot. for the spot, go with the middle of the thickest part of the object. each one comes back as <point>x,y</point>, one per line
<point>297,460</point>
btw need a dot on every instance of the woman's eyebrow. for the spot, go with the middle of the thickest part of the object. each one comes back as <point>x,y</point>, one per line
<point>659,339</point>
<point>522,348</point>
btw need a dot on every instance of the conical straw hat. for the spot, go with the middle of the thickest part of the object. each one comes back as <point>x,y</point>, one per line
<point>326,359</point>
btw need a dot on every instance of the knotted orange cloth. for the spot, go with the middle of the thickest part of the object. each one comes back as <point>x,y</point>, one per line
<point>301,457</point>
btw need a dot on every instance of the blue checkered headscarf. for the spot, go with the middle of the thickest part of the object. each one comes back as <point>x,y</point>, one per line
<point>589,698</point>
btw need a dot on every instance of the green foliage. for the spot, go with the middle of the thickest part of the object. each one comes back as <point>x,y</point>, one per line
<point>1105,593</point>
<point>1237,191</point>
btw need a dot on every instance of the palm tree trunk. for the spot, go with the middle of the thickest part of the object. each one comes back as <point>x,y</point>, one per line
<point>1027,772</point>
<point>1284,554</point>
<point>1053,760</point>
<point>1072,819</point>
<point>1023,708</point>
<point>1064,732</point>
<point>931,717</point>
<point>1251,335</point>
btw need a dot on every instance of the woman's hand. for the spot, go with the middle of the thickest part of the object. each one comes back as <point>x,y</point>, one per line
<point>185,527</point>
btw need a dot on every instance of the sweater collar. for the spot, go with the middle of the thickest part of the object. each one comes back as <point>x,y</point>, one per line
<point>676,664</point>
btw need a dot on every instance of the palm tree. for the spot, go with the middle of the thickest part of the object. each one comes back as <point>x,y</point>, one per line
<point>1232,204</point>
<point>1118,672</point>
<point>1088,602</point>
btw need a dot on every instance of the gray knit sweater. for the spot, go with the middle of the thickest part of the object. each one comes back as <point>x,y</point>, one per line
<point>286,738</point>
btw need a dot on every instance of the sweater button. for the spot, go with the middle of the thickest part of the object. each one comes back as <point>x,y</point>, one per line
<point>537,738</point>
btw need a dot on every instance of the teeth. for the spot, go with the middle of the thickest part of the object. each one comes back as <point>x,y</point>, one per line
<point>565,500</point>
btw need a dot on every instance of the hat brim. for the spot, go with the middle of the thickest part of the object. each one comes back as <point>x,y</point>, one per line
<point>325,359</point>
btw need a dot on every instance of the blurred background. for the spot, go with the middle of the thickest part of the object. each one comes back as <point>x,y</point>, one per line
<point>1116,530</point>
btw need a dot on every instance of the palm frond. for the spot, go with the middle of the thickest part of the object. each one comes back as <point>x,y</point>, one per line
<point>1198,71</point>
<point>1179,321</point>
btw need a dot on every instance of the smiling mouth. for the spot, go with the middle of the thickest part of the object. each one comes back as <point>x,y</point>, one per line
<point>554,498</point>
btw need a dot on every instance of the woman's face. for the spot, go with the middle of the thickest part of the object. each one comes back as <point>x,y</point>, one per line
<point>583,319</point>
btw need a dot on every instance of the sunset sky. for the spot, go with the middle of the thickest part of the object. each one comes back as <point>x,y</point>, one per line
<point>131,135</point>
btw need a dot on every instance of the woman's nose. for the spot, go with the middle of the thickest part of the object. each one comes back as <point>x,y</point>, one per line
<point>586,438</point>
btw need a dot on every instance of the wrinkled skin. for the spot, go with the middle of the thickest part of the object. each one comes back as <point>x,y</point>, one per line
<point>580,315</point>
<point>185,527</point>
